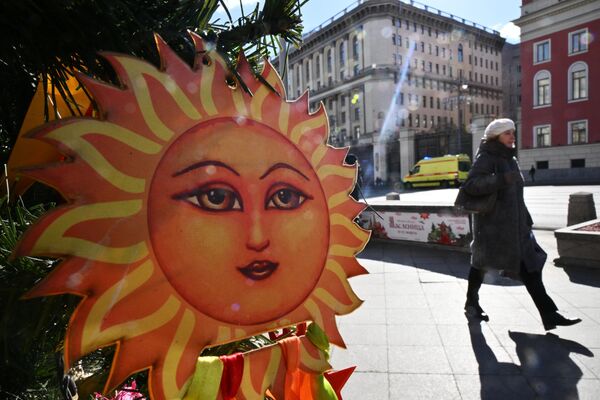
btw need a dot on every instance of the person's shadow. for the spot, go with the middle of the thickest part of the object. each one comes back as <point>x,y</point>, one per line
<point>546,370</point>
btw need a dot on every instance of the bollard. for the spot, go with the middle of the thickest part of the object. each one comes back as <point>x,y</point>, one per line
<point>392,196</point>
<point>581,208</point>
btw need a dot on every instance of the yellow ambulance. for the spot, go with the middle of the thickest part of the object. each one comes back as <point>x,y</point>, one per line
<point>446,171</point>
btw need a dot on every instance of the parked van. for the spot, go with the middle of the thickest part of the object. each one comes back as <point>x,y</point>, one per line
<point>446,171</point>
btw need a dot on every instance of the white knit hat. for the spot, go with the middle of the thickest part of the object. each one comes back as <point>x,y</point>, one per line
<point>497,127</point>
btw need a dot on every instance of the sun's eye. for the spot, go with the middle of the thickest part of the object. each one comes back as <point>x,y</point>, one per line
<point>286,198</point>
<point>213,198</point>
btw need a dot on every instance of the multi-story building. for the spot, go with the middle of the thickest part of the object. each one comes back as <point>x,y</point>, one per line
<point>511,81</point>
<point>560,124</point>
<point>399,82</point>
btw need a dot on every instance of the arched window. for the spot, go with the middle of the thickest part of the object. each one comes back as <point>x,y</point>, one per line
<point>329,60</point>
<point>342,54</point>
<point>542,88</point>
<point>355,48</point>
<point>460,52</point>
<point>578,81</point>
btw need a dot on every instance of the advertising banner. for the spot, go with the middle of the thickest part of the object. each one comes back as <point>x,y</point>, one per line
<point>440,228</point>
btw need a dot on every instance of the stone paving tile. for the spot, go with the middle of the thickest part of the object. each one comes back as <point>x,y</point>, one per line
<point>413,335</point>
<point>591,362</point>
<point>591,313</point>
<point>563,388</point>
<point>411,277</point>
<point>448,315</point>
<point>366,358</point>
<point>481,359</point>
<point>423,387</point>
<point>365,290</point>
<point>367,386</point>
<point>460,335</point>
<point>401,300</point>
<point>510,317</point>
<point>397,288</point>
<point>418,360</point>
<point>494,387</point>
<point>365,315</point>
<point>372,302</point>
<point>363,334</point>
<point>409,316</point>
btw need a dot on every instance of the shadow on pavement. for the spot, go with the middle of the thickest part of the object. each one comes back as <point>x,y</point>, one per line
<point>546,371</point>
<point>448,262</point>
<point>583,276</point>
<point>546,363</point>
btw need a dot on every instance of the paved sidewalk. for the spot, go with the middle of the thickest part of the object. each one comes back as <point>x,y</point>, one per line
<point>411,340</point>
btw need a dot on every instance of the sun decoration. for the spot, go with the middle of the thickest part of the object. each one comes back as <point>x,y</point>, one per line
<point>197,214</point>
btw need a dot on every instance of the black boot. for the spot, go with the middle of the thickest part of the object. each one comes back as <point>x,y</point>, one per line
<point>474,310</point>
<point>554,319</point>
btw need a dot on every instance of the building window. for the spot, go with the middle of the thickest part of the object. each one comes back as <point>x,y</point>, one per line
<point>541,164</point>
<point>541,51</point>
<point>342,54</point>
<point>542,135</point>
<point>355,48</point>
<point>578,78</point>
<point>329,61</point>
<point>578,163</point>
<point>460,52</point>
<point>578,132</point>
<point>399,41</point>
<point>401,99</point>
<point>343,101</point>
<point>357,114</point>
<point>318,66</point>
<point>578,41</point>
<point>357,132</point>
<point>355,69</point>
<point>343,117</point>
<point>307,72</point>
<point>541,88</point>
<point>394,39</point>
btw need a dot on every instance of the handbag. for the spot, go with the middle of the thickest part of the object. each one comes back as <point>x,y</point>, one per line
<point>475,204</point>
<point>534,257</point>
<point>482,204</point>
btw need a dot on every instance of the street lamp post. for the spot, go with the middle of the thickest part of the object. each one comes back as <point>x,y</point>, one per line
<point>462,88</point>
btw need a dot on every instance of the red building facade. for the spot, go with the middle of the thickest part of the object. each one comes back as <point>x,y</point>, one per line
<point>560,89</point>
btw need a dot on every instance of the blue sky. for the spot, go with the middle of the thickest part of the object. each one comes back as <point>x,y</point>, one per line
<point>493,14</point>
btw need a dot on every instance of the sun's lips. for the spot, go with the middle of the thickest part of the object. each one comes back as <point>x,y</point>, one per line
<point>259,269</point>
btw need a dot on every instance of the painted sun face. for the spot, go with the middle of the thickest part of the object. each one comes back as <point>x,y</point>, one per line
<point>242,203</point>
<point>198,214</point>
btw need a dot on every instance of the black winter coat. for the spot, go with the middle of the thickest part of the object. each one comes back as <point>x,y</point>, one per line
<point>501,237</point>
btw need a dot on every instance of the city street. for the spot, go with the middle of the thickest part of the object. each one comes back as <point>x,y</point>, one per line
<point>548,205</point>
<point>411,340</point>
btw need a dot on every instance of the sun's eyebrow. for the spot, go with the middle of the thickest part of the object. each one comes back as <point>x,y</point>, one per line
<point>282,165</point>
<point>204,164</point>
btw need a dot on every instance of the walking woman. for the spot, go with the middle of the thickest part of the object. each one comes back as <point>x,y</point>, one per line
<point>502,238</point>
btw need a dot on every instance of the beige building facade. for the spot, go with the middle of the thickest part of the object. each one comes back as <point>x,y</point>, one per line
<point>399,81</point>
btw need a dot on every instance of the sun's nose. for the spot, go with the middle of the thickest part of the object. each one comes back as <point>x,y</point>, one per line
<point>257,236</point>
